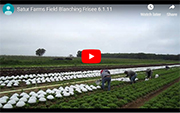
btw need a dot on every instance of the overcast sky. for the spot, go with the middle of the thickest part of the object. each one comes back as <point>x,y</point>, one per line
<point>122,30</point>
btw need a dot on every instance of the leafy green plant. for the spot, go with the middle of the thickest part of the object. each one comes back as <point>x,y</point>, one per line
<point>112,105</point>
<point>119,103</point>
<point>105,107</point>
<point>97,106</point>
<point>84,105</point>
<point>66,107</point>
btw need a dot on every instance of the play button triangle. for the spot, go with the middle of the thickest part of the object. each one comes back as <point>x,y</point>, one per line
<point>91,56</point>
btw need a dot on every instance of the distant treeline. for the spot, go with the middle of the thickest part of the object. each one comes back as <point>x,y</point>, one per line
<point>137,56</point>
<point>141,56</point>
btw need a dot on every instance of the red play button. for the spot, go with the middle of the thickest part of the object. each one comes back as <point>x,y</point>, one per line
<point>91,56</point>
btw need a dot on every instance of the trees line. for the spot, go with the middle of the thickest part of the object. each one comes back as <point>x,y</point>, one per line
<point>137,56</point>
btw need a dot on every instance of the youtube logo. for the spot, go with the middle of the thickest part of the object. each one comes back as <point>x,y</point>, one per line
<point>91,56</point>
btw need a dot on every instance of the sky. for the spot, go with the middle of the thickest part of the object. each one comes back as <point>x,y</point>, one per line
<point>121,30</point>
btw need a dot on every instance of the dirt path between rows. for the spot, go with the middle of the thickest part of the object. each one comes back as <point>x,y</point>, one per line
<point>141,101</point>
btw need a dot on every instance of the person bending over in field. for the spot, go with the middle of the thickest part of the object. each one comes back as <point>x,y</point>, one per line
<point>149,73</point>
<point>132,75</point>
<point>106,77</point>
<point>167,67</point>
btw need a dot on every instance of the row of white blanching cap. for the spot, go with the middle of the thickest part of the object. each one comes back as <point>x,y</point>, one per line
<point>10,83</point>
<point>126,79</point>
<point>21,99</point>
<point>26,76</point>
<point>56,79</point>
<point>52,77</point>
<point>113,71</point>
<point>136,69</point>
<point>44,79</point>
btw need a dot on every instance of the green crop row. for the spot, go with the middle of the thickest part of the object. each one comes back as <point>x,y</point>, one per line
<point>118,96</point>
<point>169,98</point>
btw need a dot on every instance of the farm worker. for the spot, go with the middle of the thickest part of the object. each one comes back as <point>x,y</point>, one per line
<point>149,73</point>
<point>132,75</point>
<point>106,77</point>
<point>167,67</point>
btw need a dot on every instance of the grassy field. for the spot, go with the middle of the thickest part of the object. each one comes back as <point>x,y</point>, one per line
<point>35,61</point>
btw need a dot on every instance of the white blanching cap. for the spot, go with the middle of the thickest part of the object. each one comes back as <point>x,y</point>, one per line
<point>84,90</point>
<point>90,89</point>
<point>23,93</point>
<point>55,89</point>
<point>66,94</point>
<point>7,106</point>
<point>9,85</point>
<point>42,99</point>
<point>40,95</point>
<point>48,91</point>
<point>71,93</point>
<point>16,94</point>
<point>0,105</point>
<point>40,91</point>
<point>26,96</point>
<point>50,97</point>
<point>32,92</point>
<point>15,84</point>
<point>20,104</point>
<point>3,100</point>
<point>23,99</point>
<point>11,102</point>
<point>3,84</point>
<point>28,83</point>
<point>58,95</point>
<point>32,100</point>
<point>5,97</point>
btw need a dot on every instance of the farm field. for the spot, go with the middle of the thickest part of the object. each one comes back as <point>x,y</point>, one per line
<point>20,65</point>
<point>52,79</point>
<point>34,61</point>
<point>81,92</point>
<point>167,99</point>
